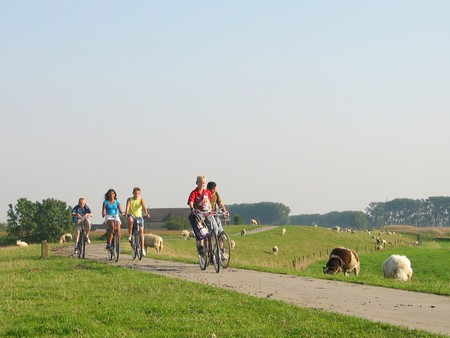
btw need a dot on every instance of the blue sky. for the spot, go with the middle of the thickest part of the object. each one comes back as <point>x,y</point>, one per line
<point>323,106</point>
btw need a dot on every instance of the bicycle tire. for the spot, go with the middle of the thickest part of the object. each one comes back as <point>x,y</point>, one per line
<point>139,246</point>
<point>225,239</point>
<point>79,247</point>
<point>83,244</point>
<point>133,246</point>
<point>203,258</point>
<point>116,241</point>
<point>215,251</point>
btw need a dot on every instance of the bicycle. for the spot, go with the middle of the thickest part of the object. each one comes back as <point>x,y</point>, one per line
<point>81,244</point>
<point>114,250</point>
<point>224,241</point>
<point>136,239</point>
<point>211,251</point>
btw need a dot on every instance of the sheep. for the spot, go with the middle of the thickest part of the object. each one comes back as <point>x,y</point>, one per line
<point>275,250</point>
<point>153,241</point>
<point>191,234</point>
<point>254,222</point>
<point>397,267</point>
<point>21,244</point>
<point>233,244</point>
<point>283,231</point>
<point>65,238</point>
<point>243,232</point>
<point>336,228</point>
<point>185,234</point>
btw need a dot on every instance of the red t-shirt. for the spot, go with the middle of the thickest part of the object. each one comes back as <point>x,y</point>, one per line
<point>202,200</point>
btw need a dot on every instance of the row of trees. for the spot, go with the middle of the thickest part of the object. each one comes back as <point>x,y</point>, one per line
<point>264,212</point>
<point>433,211</point>
<point>38,221</point>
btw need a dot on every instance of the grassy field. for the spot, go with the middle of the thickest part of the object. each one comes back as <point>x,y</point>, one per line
<point>66,297</point>
<point>304,251</point>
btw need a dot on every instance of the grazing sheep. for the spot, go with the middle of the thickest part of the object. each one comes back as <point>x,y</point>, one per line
<point>275,250</point>
<point>185,234</point>
<point>233,244</point>
<point>65,238</point>
<point>21,244</point>
<point>336,228</point>
<point>243,232</point>
<point>254,222</point>
<point>283,231</point>
<point>343,259</point>
<point>397,267</point>
<point>191,234</point>
<point>153,241</point>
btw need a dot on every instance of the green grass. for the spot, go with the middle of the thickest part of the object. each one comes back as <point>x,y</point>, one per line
<point>309,248</point>
<point>65,297</point>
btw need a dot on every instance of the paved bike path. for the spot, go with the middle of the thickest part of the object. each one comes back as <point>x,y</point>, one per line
<point>404,308</point>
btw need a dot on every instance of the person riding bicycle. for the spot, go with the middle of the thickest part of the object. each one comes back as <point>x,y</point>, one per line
<point>134,208</point>
<point>216,201</point>
<point>111,211</point>
<point>199,199</point>
<point>81,212</point>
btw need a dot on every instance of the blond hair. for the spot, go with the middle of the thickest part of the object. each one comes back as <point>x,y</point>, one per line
<point>200,178</point>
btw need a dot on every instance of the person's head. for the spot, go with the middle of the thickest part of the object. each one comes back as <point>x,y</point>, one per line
<point>111,195</point>
<point>136,191</point>
<point>201,181</point>
<point>211,186</point>
<point>81,202</point>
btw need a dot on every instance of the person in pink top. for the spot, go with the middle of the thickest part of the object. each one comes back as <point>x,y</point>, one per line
<point>199,199</point>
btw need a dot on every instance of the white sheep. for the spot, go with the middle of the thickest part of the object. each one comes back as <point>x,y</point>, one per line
<point>191,234</point>
<point>254,222</point>
<point>65,238</point>
<point>243,232</point>
<point>283,231</point>
<point>275,250</point>
<point>336,228</point>
<point>153,241</point>
<point>233,244</point>
<point>185,234</point>
<point>397,267</point>
<point>21,244</point>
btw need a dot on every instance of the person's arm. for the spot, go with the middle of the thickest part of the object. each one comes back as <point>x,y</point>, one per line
<point>88,212</point>
<point>103,210</point>
<point>127,208</point>
<point>75,212</point>
<point>120,209</point>
<point>146,213</point>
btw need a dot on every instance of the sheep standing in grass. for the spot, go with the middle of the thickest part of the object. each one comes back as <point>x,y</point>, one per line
<point>397,267</point>
<point>233,244</point>
<point>21,244</point>
<point>283,231</point>
<point>243,232</point>
<point>185,234</point>
<point>153,241</point>
<point>191,234</point>
<point>275,250</point>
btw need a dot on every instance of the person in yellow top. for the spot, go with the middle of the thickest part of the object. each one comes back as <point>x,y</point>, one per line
<point>134,210</point>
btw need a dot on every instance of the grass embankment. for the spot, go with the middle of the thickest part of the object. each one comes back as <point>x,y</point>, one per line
<point>304,251</point>
<point>61,296</point>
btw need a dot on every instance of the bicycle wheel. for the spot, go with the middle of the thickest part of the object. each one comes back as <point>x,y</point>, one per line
<point>79,247</point>
<point>134,246</point>
<point>215,252</point>
<point>203,258</point>
<point>82,244</point>
<point>139,246</point>
<point>225,246</point>
<point>116,241</point>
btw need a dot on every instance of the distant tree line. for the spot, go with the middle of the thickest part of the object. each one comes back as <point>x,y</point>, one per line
<point>264,212</point>
<point>433,211</point>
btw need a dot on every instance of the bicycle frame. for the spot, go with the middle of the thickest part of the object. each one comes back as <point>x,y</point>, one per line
<point>114,251</point>
<point>137,245</point>
<point>211,244</point>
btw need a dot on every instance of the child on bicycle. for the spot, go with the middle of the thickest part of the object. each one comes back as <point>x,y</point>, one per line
<point>111,211</point>
<point>199,199</point>
<point>134,208</point>
<point>81,212</point>
<point>216,201</point>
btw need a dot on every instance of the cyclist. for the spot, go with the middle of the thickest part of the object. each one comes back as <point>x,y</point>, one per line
<point>80,213</point>
<point>111,211</point>
<point>134,208</point>
<point>216,201</point>
<point>199,199</point>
